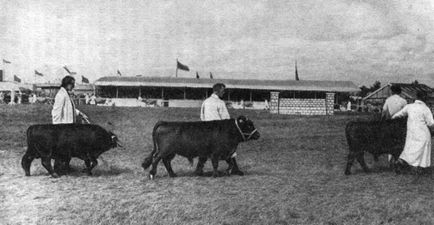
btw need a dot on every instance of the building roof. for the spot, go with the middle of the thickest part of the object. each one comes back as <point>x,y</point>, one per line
<point>409,90</point>
<point>57,85</point>
<point>302,85</point>
<point>14,86</point>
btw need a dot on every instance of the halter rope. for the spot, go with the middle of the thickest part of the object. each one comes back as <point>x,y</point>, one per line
<point>242,133</point>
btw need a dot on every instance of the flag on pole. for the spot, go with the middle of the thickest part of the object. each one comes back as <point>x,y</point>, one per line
<point>197,75</point>
<point>119,73</point>
<point>38,73</point>
<point>6,61</point>
<point>210,75</point>
<point>69,71</point>
<point>296,71</point>
<point>17,79</point>
<point>181,66</point>
<point>84,80</point>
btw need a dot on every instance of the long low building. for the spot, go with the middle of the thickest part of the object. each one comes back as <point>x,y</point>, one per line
<point>280,96</point>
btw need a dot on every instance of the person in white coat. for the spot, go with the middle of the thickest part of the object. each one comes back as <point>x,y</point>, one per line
<point>64,110</point>
<point>417,149</point>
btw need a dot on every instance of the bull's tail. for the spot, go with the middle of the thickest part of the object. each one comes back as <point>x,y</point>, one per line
<point>148,160</point>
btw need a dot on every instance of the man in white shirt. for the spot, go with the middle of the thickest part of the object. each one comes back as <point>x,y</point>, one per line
<point>393,104</point>
<point>213,108</point>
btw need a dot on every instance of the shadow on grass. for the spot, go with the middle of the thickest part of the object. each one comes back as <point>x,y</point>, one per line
<point>96,172</point>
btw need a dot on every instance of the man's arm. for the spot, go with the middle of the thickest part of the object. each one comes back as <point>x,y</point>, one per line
<point>223,111</point>
<point>401,113</point>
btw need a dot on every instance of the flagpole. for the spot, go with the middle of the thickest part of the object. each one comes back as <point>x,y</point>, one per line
<point>176,73</point>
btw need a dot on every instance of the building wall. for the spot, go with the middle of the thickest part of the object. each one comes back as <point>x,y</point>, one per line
<point>298,106</point>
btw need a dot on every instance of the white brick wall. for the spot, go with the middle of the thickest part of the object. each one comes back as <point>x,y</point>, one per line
<point>302,106</point>
<point>297,106</point>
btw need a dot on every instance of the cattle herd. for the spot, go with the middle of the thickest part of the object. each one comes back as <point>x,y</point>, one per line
<point>212,139</point>
<point>217,140</point>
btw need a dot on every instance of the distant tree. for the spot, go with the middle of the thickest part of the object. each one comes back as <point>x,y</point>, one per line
<point>376,85</point>
<point>415,82</point>
<point>364,91</point>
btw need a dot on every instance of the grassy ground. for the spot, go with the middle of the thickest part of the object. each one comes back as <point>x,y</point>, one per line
<point>294,175</point>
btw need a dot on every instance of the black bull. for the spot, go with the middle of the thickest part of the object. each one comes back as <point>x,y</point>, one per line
<point>214,139</point>
<point>375,137</point>
<point>64,141</point>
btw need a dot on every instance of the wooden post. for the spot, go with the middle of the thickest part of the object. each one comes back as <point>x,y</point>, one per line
<point>162,93</point>
<point>140,91</point>
<point>117,92</point>
<point>251,98</point>
<point>229,95</point>
<point>185,95</point>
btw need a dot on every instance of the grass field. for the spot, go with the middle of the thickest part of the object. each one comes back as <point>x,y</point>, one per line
<point>294,175</point>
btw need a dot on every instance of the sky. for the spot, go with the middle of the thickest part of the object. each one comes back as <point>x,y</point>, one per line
<point>357,40</point>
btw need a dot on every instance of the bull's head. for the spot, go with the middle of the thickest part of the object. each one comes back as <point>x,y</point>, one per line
<point>246,128</point>
<point>115,141</point>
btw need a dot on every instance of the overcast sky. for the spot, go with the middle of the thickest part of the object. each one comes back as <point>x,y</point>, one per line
<point>362,41</point>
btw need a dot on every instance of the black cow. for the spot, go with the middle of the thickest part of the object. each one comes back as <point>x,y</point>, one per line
<point>375,137</point>
<point>215,139</point>
<point>64,141</point>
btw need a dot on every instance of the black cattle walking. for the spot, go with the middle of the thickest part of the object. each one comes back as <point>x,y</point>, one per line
<point>215,139</point>
<point>375,137</point>
<point>64,141</point>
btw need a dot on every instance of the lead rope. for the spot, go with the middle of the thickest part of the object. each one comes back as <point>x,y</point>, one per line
<point>239,129</point>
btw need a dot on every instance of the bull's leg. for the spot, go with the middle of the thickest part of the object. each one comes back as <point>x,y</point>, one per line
<point>88,163</point>
<point>361,159</point>
<point>46,162</point>
<point>233,167</point>
<point>26,162</point>
<point>350,161</point>
<point>215,165</point>
<point>93,163</point>
<point>168,166</point>
<point>200,165</point>
<point>153,170</point>
<point>58,166</point>
<point>67,164</point>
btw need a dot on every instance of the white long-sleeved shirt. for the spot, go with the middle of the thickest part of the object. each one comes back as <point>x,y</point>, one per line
<point>213,108</point>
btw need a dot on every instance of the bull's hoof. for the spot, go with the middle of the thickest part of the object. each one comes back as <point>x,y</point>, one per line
<point>215,174</point>
<point>173,175</point>
<point>237,172</point>
<point>54,175</point>
<point>151,177</point>
<point>27,174</point>
<point>367,171</point>
<point>198,173</point>
<point>347,172</point>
